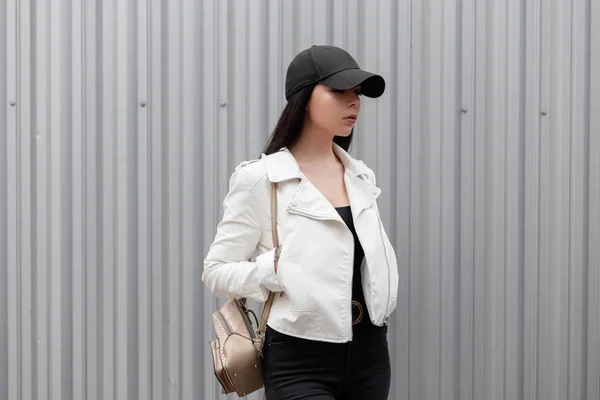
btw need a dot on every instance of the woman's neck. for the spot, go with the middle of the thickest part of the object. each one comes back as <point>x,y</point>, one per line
<point>313,144</point>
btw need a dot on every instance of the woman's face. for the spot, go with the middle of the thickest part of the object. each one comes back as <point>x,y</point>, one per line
<point>332,110</point>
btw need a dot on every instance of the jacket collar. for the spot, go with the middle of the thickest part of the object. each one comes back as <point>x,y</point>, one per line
<point>282,166</point>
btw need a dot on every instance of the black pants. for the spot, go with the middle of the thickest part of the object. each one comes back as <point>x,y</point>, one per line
<point>296,368</point>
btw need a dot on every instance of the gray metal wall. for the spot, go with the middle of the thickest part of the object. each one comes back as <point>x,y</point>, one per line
<point>122,120</point>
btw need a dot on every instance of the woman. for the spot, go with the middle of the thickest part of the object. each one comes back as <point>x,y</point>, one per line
<point>336,272</point>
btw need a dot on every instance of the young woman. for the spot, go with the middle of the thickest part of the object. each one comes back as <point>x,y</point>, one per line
<point>336,273</point>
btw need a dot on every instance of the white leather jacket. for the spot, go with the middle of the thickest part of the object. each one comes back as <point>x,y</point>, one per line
<point>317,248</point>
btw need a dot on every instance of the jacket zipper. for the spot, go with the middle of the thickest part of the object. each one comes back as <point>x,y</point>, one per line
<point>351,286</point>
<point>387,261</point>
<point>323,218</point>
<point>315,216</point>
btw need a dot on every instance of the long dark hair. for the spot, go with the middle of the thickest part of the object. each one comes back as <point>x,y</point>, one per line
<point>288,128</point>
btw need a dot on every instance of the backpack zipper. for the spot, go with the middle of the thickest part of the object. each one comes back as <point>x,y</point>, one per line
<point>224,323</point>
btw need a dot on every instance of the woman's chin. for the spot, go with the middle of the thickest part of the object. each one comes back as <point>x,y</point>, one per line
<point>345,133</point>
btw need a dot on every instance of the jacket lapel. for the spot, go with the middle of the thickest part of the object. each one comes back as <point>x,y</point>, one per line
<point>282,166</point>
<point>361,192</point>
<point>308,200</point>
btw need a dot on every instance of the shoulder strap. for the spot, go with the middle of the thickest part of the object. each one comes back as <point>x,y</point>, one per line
<point>267,307</point>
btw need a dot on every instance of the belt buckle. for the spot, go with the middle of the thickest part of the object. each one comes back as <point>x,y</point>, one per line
<point>360,312</point>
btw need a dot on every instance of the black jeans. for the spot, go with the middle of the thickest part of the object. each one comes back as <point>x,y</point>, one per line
<point>296,368</point>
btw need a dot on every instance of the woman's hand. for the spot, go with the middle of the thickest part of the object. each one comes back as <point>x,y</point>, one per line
<point>276,259</point>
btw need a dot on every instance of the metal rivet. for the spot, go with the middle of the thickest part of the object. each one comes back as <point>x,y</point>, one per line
<point>12,104</point>
<point>142,104</point>
<point>223,103</point>
<point>464,110</point>
<point>255,365</point>
<point>544,112</point>
<point>235,374</point>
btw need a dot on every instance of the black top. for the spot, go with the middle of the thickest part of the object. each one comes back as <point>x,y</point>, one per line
<point>359,254</point>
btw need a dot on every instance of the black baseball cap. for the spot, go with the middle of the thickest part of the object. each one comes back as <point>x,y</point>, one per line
<point>332,67</point>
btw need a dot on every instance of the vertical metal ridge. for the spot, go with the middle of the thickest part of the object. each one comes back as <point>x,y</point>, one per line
<point>551,209</point>
<point>58,237</point>
<point>496,240</point>
<point>67,217</point>
<point>532,196</point>
<point>173,208</point>
<point>403,57</point>
<point>5,169</point>
<point>339,26</point>
<point>158,25</point>
<point>433,193</point>
<point>467,197</point>
<point>42,204</point>
<point>79,223</point>
<point>414,362</point>
<point>480,202</point>
<point>108,134</point>
<point>516,195</point>
<point>221,76</point>
<point>126,198</point>
<point>593,334</point>
<point>145,105</point>
<point>92,139</point>
<point>26,176</point>
<point>450,221</point>
<point>579,205</point>
<point>13,203</point>
<point>257,78</point>
<point>191,168</point>
<point>275,70</point>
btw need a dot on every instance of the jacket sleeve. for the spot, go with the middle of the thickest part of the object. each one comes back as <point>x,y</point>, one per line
<point>228,271</point>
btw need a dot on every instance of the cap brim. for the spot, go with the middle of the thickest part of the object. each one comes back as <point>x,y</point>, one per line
<point>372,85</point>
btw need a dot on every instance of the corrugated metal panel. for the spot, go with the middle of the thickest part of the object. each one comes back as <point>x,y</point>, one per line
<point>122,121</point>
<point>4,355</point>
